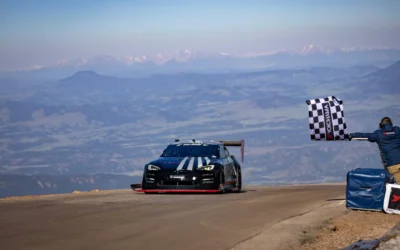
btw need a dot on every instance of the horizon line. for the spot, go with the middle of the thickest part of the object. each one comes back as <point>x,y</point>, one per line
<point>170,56</point>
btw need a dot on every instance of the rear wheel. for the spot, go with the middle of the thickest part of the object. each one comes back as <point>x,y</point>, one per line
<point>239,181</point>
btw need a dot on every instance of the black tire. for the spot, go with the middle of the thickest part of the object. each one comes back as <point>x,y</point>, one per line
<point>239,181</point>
<point>144,182</point>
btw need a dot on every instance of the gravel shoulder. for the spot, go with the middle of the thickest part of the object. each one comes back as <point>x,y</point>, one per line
<point>350,227</point>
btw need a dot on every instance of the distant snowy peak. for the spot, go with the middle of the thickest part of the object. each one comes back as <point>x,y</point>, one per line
<point>105,59</point>
<point>188,55</point>
<point>310,49</point>
<point>365,48</point>
<point>77,62</point>
<point>314,49</point>
<point>139,59</point>
<point>183,56</point>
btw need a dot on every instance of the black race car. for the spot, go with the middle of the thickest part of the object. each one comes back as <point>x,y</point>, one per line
<point>193,166</point>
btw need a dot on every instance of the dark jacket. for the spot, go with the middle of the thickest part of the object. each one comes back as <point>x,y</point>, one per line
<point>388,140</point>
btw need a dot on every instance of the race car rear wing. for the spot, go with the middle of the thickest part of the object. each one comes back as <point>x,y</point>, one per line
<point>235,144</point>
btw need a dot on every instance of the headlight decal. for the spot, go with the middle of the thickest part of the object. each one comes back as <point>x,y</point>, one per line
<point>153,168</point>
<point>206,167</point>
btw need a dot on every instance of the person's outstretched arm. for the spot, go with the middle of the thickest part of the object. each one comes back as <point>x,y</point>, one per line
<point>372,137</point>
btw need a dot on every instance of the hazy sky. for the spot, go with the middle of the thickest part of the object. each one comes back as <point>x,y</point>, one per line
<point>44,31</point>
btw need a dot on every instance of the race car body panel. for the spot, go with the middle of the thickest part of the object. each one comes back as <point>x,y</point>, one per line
<point>183,163</point>
<point>193,167</point>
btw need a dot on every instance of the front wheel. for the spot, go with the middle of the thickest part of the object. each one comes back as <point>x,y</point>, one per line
<point>144,183</point>
<point>222,181</point>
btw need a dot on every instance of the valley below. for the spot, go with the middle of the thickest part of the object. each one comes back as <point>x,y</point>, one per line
<point>95,131</point>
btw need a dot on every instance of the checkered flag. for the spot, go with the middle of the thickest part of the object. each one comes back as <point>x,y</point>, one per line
<point>326,119</point>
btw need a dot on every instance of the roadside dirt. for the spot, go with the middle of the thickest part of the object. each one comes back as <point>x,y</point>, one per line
<point>344,230</point>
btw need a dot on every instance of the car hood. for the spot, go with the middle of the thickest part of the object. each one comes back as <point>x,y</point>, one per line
<point>185,163</point>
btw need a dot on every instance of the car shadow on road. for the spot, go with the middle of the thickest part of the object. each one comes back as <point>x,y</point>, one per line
<point>201,193</point>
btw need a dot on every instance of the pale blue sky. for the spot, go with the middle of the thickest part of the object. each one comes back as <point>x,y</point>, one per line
<point>44,31</point>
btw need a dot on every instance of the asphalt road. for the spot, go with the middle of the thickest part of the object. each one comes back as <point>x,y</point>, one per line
<point>123,219</point>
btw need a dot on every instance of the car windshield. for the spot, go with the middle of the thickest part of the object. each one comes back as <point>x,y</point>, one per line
<point>211,151</point>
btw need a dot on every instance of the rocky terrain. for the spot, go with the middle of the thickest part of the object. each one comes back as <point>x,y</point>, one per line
<point>352,230</point>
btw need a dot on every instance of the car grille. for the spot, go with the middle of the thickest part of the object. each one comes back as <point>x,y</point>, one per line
<point>178,184</point>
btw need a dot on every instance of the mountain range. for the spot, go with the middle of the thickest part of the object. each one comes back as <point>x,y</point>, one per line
<point>91,130</point>
<point>201,62</point>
